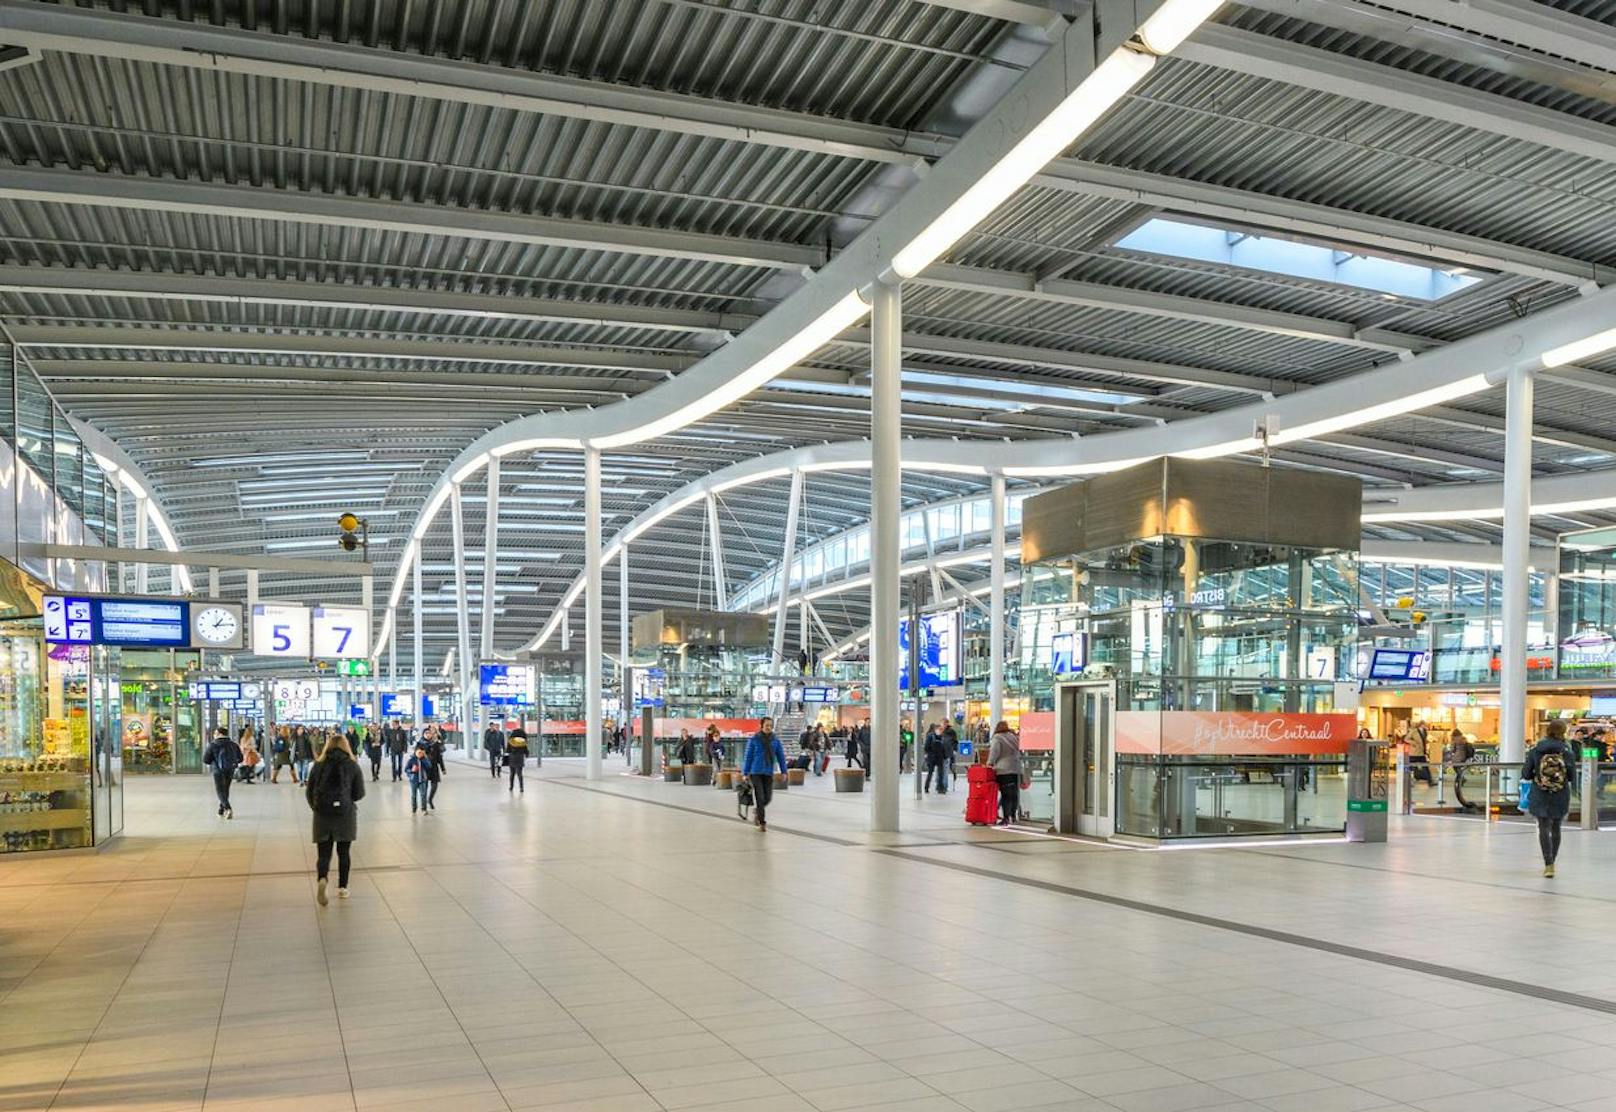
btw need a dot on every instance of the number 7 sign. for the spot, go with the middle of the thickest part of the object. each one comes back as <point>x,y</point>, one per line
<point>341,632</point>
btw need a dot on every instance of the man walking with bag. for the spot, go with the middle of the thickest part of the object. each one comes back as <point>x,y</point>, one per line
<point>494,745</point>
<point>223,756</point>
<point>763,754</point>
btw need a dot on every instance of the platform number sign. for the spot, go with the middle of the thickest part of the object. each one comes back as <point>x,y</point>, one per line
<point>341,632</point>
<point>280,629</point>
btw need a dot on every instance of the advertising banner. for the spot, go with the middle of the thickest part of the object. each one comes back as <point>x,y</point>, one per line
<point>1188,733</point>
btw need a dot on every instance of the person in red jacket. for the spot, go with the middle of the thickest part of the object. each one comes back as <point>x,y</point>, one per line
<point>982,804</point>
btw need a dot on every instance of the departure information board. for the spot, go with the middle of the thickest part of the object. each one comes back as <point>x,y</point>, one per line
<point>127,622</point>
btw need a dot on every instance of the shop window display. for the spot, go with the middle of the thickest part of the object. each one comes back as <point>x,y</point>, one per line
<point>45,770</point>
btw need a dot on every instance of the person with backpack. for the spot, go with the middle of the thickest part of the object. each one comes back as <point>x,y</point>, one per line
<point>763,753</point>
<point>419,771</point>
<point>516,759</point>
<point>222,755</point>
<point>936,758</point>
<point>333,789</point>
<point>1548,771</point>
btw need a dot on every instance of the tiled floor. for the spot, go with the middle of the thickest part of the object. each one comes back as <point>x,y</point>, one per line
<point>582,947</point>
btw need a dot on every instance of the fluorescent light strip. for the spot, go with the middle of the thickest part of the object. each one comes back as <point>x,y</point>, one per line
<point>1109,82</point>
<point>1436,395</point>
<point>1597,344</point>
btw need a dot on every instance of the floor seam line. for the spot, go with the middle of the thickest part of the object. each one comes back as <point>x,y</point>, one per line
<point>1340,949</point>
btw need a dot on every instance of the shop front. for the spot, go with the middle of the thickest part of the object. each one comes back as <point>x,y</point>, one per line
<point>1200,646</point>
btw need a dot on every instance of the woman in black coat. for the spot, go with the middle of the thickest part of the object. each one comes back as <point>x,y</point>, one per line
<point>1549,807</point>
<point>333,788</point>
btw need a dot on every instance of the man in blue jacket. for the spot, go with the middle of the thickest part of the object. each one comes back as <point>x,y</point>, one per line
<point>763,754</point>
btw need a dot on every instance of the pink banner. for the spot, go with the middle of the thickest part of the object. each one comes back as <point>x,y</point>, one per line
<point>668,728</point>
<point>1037,730</point>
<point>1232,733</point>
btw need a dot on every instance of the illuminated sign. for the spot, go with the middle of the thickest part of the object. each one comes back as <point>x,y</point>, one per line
<point>939,657</point>
<point>341,633</point>
<point>129,622</point>
<point>505,685</point>
<point>1400,665</point>
<point>280,629</point>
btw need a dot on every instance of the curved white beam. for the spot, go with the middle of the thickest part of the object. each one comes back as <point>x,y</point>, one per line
<point>127,474</point>
<point>1444,374</point>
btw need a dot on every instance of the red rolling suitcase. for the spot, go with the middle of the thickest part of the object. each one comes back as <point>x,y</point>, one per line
<point>982,805</point>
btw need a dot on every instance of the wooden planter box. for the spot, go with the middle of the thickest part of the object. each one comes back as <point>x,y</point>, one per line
<point>727,778</point>
<point>700,775</point>
<point>673,774</point>
<point>779,779</point>
<point>849,779</point>
<point>796,776</point>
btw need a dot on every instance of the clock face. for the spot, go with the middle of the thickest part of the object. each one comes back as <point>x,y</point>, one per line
<point>218,625</point>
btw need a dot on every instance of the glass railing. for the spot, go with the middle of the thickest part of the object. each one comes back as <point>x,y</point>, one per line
<point>1168,798</point>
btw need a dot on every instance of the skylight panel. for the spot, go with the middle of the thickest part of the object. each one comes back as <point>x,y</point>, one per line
<point>1317,262</point>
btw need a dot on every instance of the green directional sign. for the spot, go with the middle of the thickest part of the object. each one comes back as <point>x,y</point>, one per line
<point>1372,806</point>
<point>353,667</point>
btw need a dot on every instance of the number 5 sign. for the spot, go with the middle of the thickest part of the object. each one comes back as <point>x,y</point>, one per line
<point>280,629</point>
<point>341,632</point>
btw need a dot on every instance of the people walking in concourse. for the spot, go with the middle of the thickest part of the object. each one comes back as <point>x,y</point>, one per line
<point>398,741</point>
<point>418,769</point>
<point>333,789</point>
<point>373,750</point>
<point>1004,757</point>
<point>280,755</point>
<point>494,746</point>
<point>437,768</point>
<point>763,754</point>
<point>936,758</point>
<point>1548,770</point>
<point>222,755</point>
<point>516,759</point>
<point>302,754</point>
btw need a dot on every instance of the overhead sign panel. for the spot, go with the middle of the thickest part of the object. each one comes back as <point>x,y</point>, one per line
<point>341,632</point>
<point>280,629</point>
<point>128,622</point>
<point>506,685</point>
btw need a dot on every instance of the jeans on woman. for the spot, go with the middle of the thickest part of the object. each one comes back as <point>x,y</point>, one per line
<point>323,852</point>
<point>516,774</point>
<point>302,767</point>
<point>418,793</point>
<point>1009,796</point>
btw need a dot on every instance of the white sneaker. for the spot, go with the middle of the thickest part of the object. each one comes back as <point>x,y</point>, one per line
<point>319,893</point>
<point>342,893</point>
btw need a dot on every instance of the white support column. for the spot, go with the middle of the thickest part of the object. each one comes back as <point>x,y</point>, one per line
<point>392,655</point>
<point>566,631</point>
<point>1517,542</point>
<point>789,550</point>
<point>622,628</point>
<point>417,687</point>
<point>886,431</point>
<point>802,626</point>
<point>462,619</point>
<point>142,536</point>
<point>996,606</point>
<point>490,561</point>
<point>592,613</point>
<point>715,539</point>
<point>123,536</point>
<point>213,582</point>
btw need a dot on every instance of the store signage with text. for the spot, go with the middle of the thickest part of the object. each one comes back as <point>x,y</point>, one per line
<point>1232,733</point>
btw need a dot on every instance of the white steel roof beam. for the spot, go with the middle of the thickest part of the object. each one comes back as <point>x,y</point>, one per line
<point>198,45</point>
<point>124,191</point>
<point>218,289</point>
<point>1326,71</point>
<point>359,347</point>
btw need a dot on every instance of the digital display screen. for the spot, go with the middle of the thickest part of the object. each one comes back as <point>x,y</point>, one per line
<point>429,706</point>
<point>134,623</point>
<point>1603,705</point>
<point>1400,665</point>
<point>393,706</point>
<point>505,685</point>
<point>213,689</point>
<point>939,650</point>
<point>1068,653</point>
